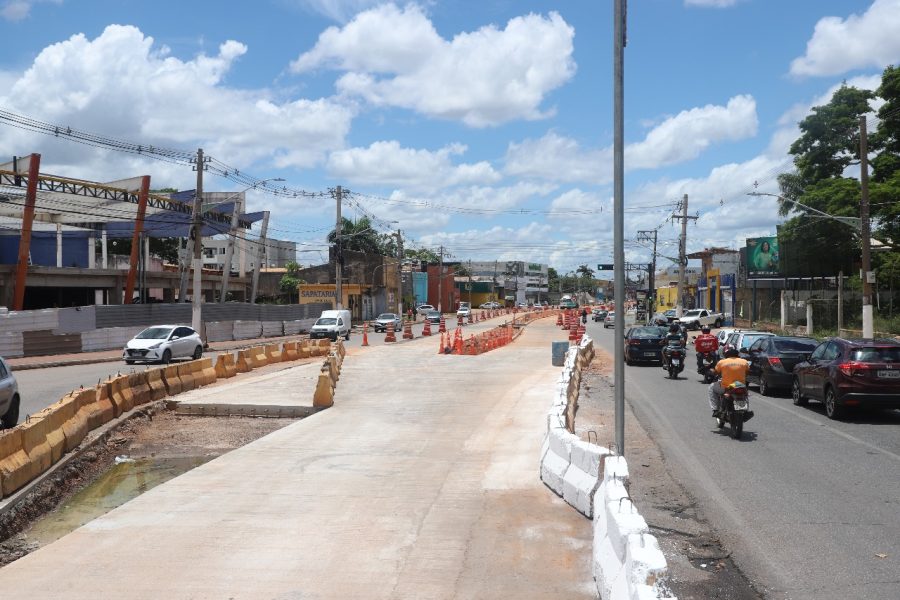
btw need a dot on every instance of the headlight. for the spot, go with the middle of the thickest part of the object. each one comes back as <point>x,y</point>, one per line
<point>155,346</point>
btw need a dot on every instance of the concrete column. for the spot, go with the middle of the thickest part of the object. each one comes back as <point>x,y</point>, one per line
<point>809,318</point>
<point>92,253</point>
<point>783,309</point>
<point>104,264</point>
<point>58,244</point>
<point>117,293</point>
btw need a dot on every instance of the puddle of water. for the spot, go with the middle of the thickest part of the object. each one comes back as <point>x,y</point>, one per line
<point>123,481</point>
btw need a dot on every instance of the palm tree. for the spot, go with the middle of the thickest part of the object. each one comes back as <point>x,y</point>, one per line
<point>358,236</point>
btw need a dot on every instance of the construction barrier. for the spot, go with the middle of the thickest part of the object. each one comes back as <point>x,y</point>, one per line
<point>140,390</point>
<point>121,394</point>
<point>225,366</point>
<point>244,362</point>
<point>171,380</point>
<point>273,353</point>
<point>34,442</point>
<point>102,410</point>
<point>205,370</point>
<point>289,352</point>
<point>15,467</point>
<point>56,415</point>
<point>156,384</point>
<point>259,356</point>
<point>186,375</point>
<point>75,428</point>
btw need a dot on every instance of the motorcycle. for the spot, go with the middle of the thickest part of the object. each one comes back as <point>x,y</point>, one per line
<point>735,409</point>
<point>707,366</point>
<point>673,360</point>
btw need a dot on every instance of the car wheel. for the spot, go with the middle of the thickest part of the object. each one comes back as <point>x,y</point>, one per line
<point>796,395</point>
<point>832,410</point>
<point>347,337</point>
<point>628,360</point>
<point>198,352</point>
<point>129,362</point>
<point>717,324</point>
<point>166,357</point>
<point>764,388</point>
<point>11,418</point>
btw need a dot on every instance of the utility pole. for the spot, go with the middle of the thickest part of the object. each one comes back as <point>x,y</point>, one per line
<point>441,280</point>
<point>338,254</point>
<point>470,285</point>
<point>236,210</point>
<point>619,217</point>
<point>682,254</point>
<point>494,284</point>
<point>197,227</point>
<point>399,274</point>
<point>868,276</point>
<point>646,236</point>
<point>259,257</point>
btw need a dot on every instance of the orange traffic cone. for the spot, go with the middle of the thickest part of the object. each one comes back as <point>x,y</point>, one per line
<point>389,333</point>
<point>471,348</point>
<point>458,342</point>
<point>407,331</point>
<point>559,319</point>
<point>441,347</point>
<point>459,320</point>
<point>427,329</point>
<point>443,326</point>
<point>365,341</point>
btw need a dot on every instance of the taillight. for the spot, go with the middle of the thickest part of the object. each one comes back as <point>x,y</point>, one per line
<point>774,361</point>
<point>852,368</point>
<point>633,342</point>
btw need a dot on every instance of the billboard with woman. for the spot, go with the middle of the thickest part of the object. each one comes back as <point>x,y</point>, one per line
<point>762,257</point>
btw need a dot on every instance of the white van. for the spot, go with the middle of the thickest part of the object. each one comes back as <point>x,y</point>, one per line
<point>331,324</point>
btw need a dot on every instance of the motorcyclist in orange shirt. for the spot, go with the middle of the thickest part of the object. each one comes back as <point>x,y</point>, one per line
<point>732,368</point>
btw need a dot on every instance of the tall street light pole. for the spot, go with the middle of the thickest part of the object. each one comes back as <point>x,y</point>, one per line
<point>619,216</point>
<point>197,228</point>
<point>338,255</point>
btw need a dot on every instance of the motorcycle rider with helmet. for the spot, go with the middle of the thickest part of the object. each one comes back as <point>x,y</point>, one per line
<point>673,339</point>
<point>733,369</point>
<point>705,343</point>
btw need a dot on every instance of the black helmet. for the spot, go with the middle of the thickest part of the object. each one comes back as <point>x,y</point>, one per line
<point>732,353</point>
<point>673,328</point>
<point>705,329</point>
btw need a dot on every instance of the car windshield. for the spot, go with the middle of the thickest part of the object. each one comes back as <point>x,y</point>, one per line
<point>646,332</point>
<point>795,345</point>
<point>326,321</point>
<point>154,333</point>
<point>876,355</point>
<point>692,313</point>
<point>387,317</point>
<point>750,338</point>
<point>433,313</point>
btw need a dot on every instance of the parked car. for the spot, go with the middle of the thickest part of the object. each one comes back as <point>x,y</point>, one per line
<point>162,343</point>
<point>598,314</point>
<point>698,317</point>
<point>423,308</point>
<point>742,340</point>
<point>644,344</point>
<point>843,373</point>
<point>9,397</point>
<point>490,305</point>
<point>464,310</point>
<point>433,317</point>
<point>722,337</point>
<point>609,320</point>
<point>772,360</point>
<point>385,319</point>
<point>332,324</point>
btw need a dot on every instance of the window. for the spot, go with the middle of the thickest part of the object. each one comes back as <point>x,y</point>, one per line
<point>819,352</point>
<point>3,373</point>
<point>876,355</point>
<point>832,351</point>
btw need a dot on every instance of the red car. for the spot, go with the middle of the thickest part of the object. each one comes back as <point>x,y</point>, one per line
<point>844,373</point>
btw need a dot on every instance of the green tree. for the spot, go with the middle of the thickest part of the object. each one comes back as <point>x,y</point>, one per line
<point>290,280</point>
<point>552,279</point>
<point>359,236</point>
<point>422,254</point>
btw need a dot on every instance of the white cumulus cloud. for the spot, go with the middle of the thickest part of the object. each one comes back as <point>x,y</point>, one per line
<point>122,85</point>
<point>394,57</point>
<point>859,41</point>
<point>677,139</point>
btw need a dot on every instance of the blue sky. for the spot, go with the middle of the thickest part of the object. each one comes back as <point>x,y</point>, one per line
<point>483,126</point>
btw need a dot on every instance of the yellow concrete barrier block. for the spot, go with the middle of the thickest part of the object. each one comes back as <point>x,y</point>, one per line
<point>140,390</point>
<point>76,427</point>
<point>259,356</point>
<point>15,468</point>
<point>273,353</point>
<point>289,351</point>
<point>56,414</point>
<point>186,375</point>
<point>244,362</point>
<point>208,370</point>
<point>303,349</point>
<point>102,410</point>
<point>34,442</point>
<point>230,365</point>
<point>121,394</point>
<point>171,380</point>
<point>324,394</point>
<point>156,384</point>
<point>222,370</point>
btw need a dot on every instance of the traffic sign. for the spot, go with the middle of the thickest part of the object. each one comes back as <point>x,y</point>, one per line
<point>604,267</point>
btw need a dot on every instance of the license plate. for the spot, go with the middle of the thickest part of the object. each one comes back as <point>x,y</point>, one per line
<point>649,353</point>
<point>889,374</point>
<point>741,405</point>
<point>676,362</point>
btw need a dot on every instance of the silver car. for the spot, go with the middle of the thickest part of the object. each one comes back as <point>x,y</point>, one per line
<point>385,319</point>
<point>9,397</point>
<point>162,343</point>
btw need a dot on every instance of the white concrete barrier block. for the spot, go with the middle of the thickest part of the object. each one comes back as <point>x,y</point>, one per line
<point>545,447</point>
<point>615,467</point>
<point>556,462</point>
<point>582,477</point>
<point>623,520</point>
<point>645,567</point>
<point>606,568</point>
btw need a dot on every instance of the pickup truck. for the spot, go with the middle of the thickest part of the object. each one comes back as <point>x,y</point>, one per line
<point>697,318</point>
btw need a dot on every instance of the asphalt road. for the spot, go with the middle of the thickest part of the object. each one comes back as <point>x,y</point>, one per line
<point>807,504</point>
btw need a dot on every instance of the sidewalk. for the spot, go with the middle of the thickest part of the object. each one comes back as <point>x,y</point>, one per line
<point>420,482</point>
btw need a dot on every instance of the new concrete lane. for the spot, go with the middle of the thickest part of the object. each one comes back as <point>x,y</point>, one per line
<point>807,503</point>
<point>421,482</point>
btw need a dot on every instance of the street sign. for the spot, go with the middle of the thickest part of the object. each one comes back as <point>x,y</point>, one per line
<point>604,267</point>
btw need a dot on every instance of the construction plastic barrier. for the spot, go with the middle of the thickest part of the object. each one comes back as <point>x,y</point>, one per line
<point>156,384</point>
<point>172,380</point>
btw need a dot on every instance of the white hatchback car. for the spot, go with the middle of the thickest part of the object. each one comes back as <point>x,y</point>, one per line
<point>162,343</point>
